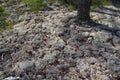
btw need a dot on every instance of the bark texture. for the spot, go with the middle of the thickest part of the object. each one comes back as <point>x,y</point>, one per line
<point>84,10</point>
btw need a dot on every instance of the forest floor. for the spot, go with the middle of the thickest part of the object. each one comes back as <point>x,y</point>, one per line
<point>50,45</point>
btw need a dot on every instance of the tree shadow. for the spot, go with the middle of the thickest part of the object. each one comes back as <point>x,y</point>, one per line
<point>114,31</point>
<point>110,9</point>
<point>111,14</point>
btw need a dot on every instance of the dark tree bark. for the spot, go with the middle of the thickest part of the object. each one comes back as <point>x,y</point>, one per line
<point>84,10</point>
<point>116,3</point>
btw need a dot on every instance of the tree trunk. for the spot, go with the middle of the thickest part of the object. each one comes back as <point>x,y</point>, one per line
<point>84,10</point>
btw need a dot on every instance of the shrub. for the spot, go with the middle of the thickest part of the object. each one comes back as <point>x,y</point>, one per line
<point>4,25</point>
<point>34,5</point>
<point>2,16</point>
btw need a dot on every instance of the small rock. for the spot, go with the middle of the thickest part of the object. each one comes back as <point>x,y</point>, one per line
<point>106,78</point>
<point>40,77</point>
<point>21,24</point>
<point>12,78</point>
<point>86,34</point>
<point>66,78</point>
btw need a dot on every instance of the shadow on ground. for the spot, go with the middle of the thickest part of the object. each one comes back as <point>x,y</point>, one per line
<point>113,13</point>
<point>113,31</point>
